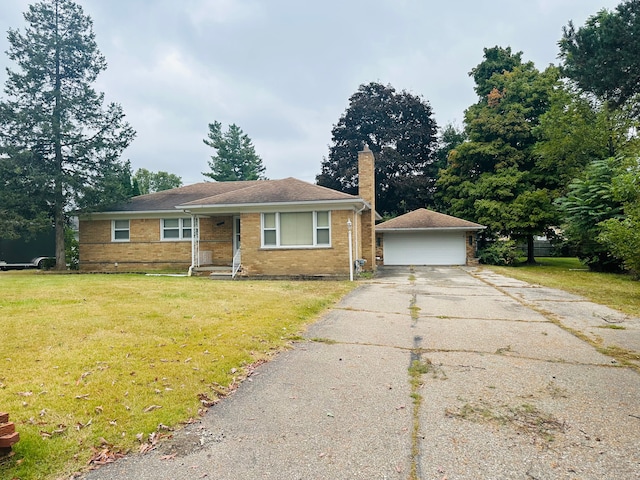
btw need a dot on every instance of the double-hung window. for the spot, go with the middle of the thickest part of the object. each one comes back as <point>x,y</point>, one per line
<point>175,229</point>
<point>120,230</point>
<point>296,229</point>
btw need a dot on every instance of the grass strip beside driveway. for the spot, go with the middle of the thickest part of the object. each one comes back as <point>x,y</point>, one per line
<point>91,365</point>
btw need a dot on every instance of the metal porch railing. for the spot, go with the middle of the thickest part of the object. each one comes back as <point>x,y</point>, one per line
<point>236,265</point>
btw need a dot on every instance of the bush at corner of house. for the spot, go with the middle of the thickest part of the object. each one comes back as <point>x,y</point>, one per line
<point>500,252</point>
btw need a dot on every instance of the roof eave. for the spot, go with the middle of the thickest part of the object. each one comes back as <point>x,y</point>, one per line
<point>431,229</point>
<point>127,213</point>
<point>347,202</point>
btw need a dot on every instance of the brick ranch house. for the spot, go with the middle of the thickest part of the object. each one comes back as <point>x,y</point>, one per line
<point>263,228</point>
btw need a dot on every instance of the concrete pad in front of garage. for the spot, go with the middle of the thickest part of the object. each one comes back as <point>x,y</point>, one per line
<point>459,290</point>
<point>539,340</point>
<point>500,418</point>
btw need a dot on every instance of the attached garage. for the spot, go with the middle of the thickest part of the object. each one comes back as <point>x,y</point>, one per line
<point>425,237</point>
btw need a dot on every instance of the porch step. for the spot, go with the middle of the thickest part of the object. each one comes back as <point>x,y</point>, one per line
<point>221,275</point>
<point>217,272</point>
<point>209,270</point>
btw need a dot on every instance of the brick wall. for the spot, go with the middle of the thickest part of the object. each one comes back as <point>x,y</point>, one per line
<point>333,261</point>
<point>216,236</point>
<point>145,251</point>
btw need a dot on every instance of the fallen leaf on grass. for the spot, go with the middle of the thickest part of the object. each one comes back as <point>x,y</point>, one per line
<point>82,397</point>
<point>84,375</point>
<point>24,394</point>
<point>103,456</point>
<point>80,425</point>
<point>58,431</point>
<point>206,401</point>
<point>151,408</point>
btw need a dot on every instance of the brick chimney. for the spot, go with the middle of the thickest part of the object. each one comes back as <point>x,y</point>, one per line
<point>367,191</point>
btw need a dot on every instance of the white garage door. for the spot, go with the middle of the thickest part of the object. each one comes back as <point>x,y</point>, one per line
<point>420,248</point>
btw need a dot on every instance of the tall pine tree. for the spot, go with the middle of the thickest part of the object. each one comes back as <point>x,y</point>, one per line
<point>54,130</point>
<point>235,158</point>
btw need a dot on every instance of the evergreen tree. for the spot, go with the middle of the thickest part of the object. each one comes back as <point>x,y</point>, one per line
<point>53,127</point>
<point>602,56</point>
<point>235,157</point>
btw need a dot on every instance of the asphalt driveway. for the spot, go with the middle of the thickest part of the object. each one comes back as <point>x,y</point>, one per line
<point>427,373</point>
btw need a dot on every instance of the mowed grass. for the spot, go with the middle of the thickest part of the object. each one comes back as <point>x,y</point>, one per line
<point>90,362</point>
<point>620,292</point>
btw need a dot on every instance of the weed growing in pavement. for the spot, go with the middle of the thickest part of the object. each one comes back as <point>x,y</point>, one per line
<point>328,341</point>
<point>525,418</point>
<point>625,357</point>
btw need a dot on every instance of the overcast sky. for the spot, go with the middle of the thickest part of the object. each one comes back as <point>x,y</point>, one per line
<point>283,70</point>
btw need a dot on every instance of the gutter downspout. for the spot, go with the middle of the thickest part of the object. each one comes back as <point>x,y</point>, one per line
<point>356,217</point>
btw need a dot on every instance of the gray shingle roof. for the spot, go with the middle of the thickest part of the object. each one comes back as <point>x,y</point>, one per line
<point>232,193</point>
<point>287,190</point>
<point>423,219</point>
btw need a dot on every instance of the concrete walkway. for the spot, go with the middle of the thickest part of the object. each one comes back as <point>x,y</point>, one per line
<point>427,373</point>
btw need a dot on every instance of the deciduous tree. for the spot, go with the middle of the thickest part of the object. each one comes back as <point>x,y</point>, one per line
<point>493,178</point>
<point>400,130</point>
<point>150,182</point>
<point>591,200</point>
<point>620,235</point>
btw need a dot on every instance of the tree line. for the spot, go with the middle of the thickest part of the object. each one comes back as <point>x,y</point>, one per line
<point>540,152</point>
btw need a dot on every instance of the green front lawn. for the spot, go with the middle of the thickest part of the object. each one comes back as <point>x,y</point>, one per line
<point>620,292</point>
<point>94,364</point>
